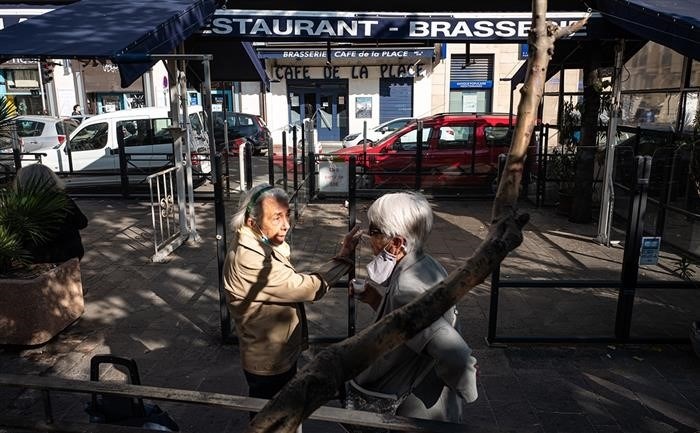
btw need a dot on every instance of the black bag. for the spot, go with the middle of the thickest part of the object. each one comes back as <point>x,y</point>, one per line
<point>126,411</point>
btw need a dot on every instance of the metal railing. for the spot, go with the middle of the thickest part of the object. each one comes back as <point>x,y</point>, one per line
<point>167,231</point>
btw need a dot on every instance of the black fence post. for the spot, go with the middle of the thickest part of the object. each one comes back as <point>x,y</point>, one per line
<point>630,261</point>
<point>501,167</point>
<point>270,165</point>
<point>16,151</point>
<point>284,160</point>
<point>493,305</point>
<point>665,197</point>
<point>303,150</point>
<point>312,173</point>
<point>419,153</point>
<point>220,218</point>
<point>227,152</point>
<point>541,183</point>
<point>123,169</point>
<point>295,182</point>
<point>352,220</point>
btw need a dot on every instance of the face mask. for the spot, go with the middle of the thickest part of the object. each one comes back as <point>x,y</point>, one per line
<point>380,268</point>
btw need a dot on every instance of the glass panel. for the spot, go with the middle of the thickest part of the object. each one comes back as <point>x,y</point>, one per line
<point>91,137</point>
<point>692,112</point>
<point>470,101</point>
<point>653,67</point>
<point>325,113</point>
<point>650,110</point>
<point>695,74</point>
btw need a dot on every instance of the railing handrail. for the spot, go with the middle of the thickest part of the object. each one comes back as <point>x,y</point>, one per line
<point>230,401</point>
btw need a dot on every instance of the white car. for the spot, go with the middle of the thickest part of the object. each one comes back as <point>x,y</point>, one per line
<point>142,133</point>
<point>376,133</point>
<point>42,132</point>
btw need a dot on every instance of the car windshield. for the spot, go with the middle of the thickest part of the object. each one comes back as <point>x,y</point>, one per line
<point>66,127</point>
<point>393,133</point>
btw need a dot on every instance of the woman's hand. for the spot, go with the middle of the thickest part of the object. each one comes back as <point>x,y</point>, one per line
<point>370,295</point>
<point>350,241</point>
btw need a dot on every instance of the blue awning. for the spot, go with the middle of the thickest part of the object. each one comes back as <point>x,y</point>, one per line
<point>672,23</point>
<point>118,30</point>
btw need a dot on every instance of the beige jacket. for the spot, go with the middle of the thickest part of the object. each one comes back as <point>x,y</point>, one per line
<point>266,296</point>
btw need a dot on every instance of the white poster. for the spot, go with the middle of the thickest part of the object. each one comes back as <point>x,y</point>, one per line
<point>469,102</point>
<point>332,176</point>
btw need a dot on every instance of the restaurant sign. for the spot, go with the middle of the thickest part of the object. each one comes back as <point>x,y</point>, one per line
<point>299,25</point>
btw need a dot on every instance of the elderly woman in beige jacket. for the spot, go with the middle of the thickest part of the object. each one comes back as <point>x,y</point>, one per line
<point>266,294</point>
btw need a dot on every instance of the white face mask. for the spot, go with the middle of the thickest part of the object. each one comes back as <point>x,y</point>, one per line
<point>380,268</point>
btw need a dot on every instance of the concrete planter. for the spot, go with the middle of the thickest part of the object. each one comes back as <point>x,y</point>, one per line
<point>33,311</point>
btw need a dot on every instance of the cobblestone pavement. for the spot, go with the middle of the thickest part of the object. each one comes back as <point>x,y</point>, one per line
<point>166,317</point>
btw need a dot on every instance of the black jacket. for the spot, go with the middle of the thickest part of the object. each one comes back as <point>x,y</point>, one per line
<point>66,243</point>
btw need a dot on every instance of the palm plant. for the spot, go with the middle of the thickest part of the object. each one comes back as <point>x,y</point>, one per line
<point>7,121</point>
<point>28,216</point>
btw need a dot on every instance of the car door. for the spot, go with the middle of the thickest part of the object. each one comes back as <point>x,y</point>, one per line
<point>447,163</point>
<point>89,150</point>
<point>134,135</point>
<point>394,165</point>
<point>496,141</point>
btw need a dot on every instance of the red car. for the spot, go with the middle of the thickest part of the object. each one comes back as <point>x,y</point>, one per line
<point>458,150</point>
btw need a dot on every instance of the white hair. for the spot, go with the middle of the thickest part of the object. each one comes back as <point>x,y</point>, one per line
<point>38,174</point>
<point>251,204</point>
<point>404,214</point>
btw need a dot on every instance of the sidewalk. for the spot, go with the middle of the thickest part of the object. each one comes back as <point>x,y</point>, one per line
<point>165,316</point>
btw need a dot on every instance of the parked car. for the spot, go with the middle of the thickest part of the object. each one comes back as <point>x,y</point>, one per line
<point>376,133</point>
<point>242,125</point>
<point>40,132</point>
<point>458,149</point>
<point>144,135</point>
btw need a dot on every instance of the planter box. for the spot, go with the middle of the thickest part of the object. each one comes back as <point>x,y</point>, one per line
<point>33,311</point>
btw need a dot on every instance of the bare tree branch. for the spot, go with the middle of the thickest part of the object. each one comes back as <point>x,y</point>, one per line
<point>319,380</point>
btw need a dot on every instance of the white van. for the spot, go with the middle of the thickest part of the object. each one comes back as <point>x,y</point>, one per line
<point>142,132</point>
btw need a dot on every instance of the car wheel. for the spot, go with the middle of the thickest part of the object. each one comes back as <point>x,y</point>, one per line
<point>366,141</point>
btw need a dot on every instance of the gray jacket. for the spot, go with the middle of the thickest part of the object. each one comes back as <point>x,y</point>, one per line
<point>435,367</point>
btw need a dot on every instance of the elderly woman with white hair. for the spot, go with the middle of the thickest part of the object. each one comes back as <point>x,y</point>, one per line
<point>433,373</point>
<point>266,294</point>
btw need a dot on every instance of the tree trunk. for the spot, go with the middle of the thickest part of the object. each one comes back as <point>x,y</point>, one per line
<point>581,211</point>
<point>319,380</point>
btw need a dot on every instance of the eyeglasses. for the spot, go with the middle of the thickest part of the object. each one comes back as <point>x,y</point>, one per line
<point>373,231</point>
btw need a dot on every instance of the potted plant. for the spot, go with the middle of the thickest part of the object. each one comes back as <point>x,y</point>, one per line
<point>37,300</point>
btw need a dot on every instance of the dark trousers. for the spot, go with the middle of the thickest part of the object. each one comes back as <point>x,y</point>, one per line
<point>267,386</point>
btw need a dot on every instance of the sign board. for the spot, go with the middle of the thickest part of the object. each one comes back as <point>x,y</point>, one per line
<point>348,53</point>
<point>449,27</point>
<point>524,51</point>
<point>471,84</point>
<point>332,176</point>
<point>649,254</point>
